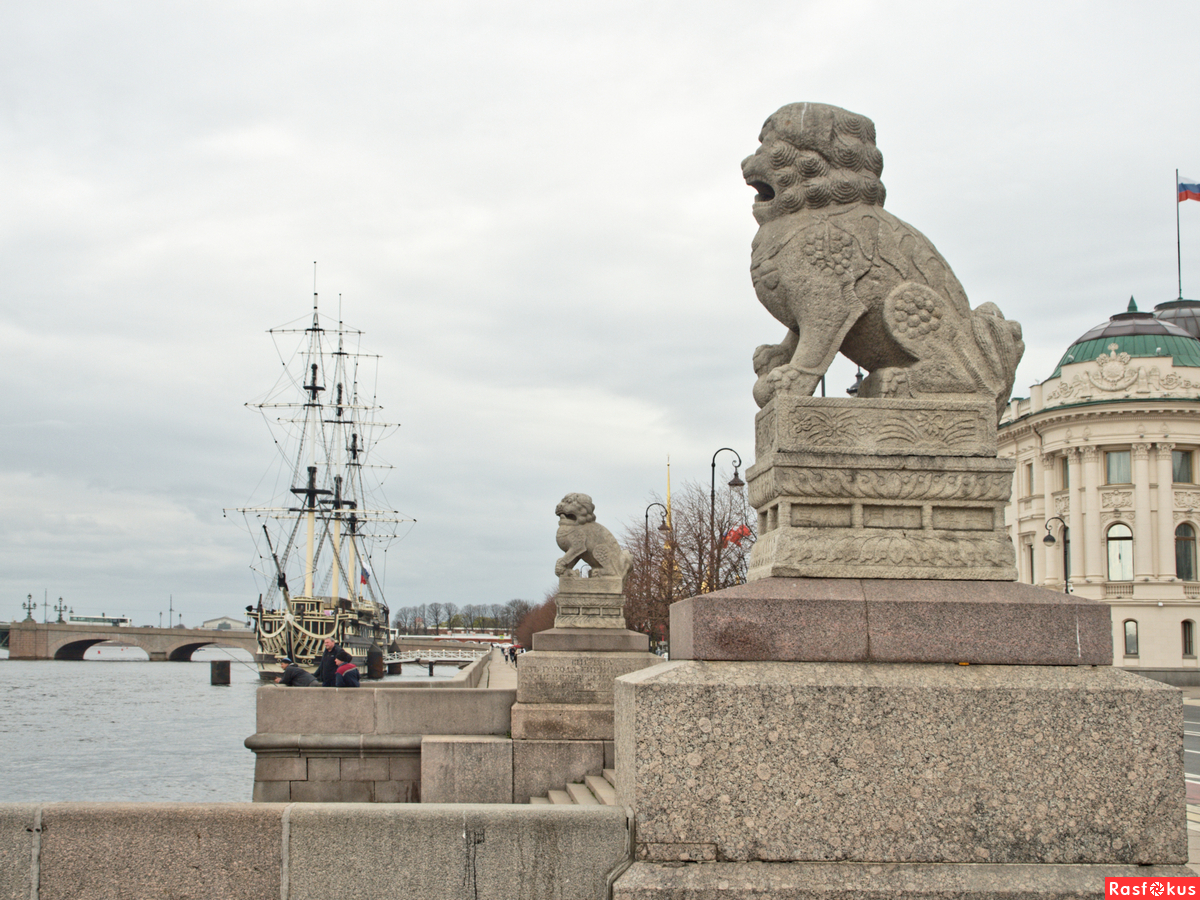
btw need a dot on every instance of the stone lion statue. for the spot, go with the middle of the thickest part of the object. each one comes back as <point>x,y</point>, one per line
<point>580,536</point>
<point>842,274</point>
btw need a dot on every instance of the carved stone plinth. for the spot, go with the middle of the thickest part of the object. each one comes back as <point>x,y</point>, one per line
<point>879,489</point>
<point>596,602</point>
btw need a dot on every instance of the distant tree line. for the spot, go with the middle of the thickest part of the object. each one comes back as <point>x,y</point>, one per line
<point>435,618</point>
<point>673,560</point>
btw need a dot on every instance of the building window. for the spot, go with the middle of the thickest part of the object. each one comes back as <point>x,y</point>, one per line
<point>1185,553</point>
<point>1131,642</point>
<point>1064,465</point>
<point>1030,553</point>
<point>1120,553</point>
<point>1117,465</point>
<point>1181,466</point>
<point>1028,479</point>
<point>1189,637</point>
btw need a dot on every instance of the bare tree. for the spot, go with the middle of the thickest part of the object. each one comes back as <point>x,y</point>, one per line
<point>435,613</point>
<point>451,611</point>
<point>514,612</point>
<point>695,557</point>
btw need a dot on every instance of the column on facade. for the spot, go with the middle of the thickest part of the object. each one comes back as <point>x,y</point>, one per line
<point>1075,513</point>
<point>1166,513</point>
<point>1051,555</point>
<point>1143,556</point>
<point>1092,563</point>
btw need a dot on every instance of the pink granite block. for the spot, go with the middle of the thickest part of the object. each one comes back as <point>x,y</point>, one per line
<point>993,622</point>
<point>852,620</point>
<point>809,619</point>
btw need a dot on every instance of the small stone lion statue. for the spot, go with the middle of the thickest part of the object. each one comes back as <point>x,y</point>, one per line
<point>580,536</point>
<point>842,274</point>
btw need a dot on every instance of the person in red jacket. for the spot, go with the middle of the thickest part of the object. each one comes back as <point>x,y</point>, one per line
<point>347,672</point>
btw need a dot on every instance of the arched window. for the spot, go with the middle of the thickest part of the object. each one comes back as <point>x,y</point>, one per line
<point>1120,553</point>
<point>1131,641</point>
<point>1189,637</point>
<point>1185,553</point>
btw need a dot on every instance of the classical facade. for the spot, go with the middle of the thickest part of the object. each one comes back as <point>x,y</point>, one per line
<point>1107,451</point>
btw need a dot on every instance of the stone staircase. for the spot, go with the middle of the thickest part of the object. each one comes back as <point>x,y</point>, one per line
<point>596,790</point>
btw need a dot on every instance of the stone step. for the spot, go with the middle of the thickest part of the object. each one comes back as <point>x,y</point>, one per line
<point>561,798</point>
<point>611,776</point>
<point>602,788</point>
<point>537,800</point>
<point>582,795</point>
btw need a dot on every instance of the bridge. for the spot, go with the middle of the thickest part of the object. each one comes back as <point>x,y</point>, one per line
<point>70,640</point>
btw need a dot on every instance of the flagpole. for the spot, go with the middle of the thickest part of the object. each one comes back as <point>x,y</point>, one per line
<point>1178,254</point>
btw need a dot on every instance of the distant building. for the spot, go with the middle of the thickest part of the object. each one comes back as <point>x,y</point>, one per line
<point>225,623</point>
<point>1107,450</point>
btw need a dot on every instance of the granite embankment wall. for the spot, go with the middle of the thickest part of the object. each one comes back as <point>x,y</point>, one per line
<point>308,851</point>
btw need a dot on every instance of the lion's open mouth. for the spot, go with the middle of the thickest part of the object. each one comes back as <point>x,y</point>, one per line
<point>765,194</point>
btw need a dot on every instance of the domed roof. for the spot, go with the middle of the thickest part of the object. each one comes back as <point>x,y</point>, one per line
<point>1140,334</point>
<point>1184,313</point>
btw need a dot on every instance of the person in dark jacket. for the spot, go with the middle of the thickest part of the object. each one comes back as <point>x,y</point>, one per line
<point>293,675</point>
<point>327,668</point>
<point>347,672</point>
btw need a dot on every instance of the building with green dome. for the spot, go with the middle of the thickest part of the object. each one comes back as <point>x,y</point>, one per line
<point>1106,498</point>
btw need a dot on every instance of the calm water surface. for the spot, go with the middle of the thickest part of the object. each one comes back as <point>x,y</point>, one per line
<point>116,727</point>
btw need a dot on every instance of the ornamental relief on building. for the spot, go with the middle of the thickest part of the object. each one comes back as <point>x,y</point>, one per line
<point>1116,499</point>
<point>1126,516</point>
<point>1062,505</point>
<point>1114,374</point>
<point>1184,516</point>
<point>1187,499</point>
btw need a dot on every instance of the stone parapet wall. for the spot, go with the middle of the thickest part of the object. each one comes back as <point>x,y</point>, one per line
<point>276,851</point>
<point>364,745</point>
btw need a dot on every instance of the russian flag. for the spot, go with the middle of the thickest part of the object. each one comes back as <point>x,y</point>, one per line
<point>366,574</point>
<point>1189,188</point>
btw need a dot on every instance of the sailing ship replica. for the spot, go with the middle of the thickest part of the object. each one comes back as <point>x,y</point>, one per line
<point>329,516</point>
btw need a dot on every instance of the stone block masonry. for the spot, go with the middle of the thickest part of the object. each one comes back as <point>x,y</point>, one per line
<point>901,763</point>
<point>264,851</point>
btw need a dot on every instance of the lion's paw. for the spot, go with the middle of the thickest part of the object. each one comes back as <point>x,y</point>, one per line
<point>887,383</point>
<point>785,379</point>
<point>770,356</point>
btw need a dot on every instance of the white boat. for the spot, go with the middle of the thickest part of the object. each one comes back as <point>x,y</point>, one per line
<point>316,537</point>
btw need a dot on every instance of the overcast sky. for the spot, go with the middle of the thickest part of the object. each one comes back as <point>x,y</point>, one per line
<point>535,212</point>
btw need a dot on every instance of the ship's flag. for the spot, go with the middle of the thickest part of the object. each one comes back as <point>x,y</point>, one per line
<point>366,574</point>
<point>1189,188</point>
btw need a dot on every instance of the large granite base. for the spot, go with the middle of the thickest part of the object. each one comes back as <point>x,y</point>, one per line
<point>901,763</point>
<point>583,677</point>
<point>860,620</point>
<point>562,721</point>
<point>873,881</point>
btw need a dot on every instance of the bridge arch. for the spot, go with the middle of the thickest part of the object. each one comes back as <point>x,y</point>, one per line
<point>75,649</point>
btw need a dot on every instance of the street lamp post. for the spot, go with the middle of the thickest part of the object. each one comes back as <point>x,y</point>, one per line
<point>666,530</point>
<point>734,482</point>
<point>60,609</point>
<point>29,606</point>
<point>1049,541</point>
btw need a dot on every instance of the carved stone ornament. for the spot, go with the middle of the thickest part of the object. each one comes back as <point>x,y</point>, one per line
<point>844,275</point>
<point>1062,505</point>
<point>1116,499</point>
<point>1127,516</point>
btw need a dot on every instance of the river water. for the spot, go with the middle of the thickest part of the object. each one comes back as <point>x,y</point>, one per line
<point>116,727</point>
